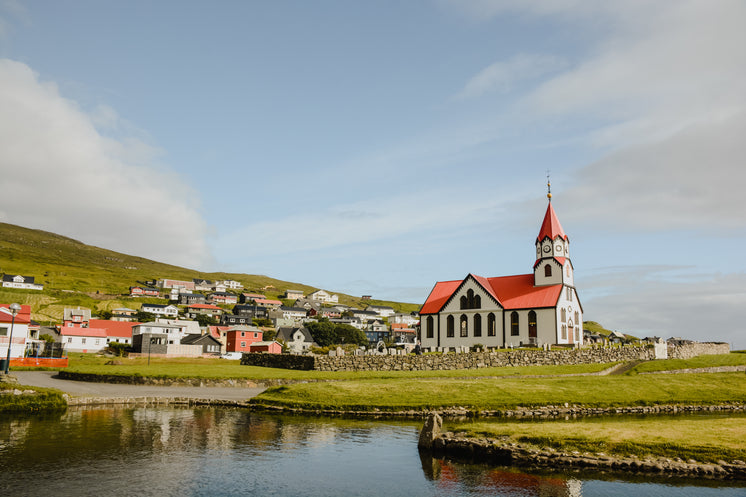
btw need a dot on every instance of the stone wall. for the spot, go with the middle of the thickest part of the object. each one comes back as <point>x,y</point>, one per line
<point>473,360</point>
<point>689,350</point>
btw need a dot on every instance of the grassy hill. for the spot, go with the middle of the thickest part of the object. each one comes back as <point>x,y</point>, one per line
<point>74,273</point>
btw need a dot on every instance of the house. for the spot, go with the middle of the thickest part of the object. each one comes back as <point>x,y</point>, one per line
<point>201,285</point>
<point>177,284</point>
<point>207,309</point>
<point>192,298</point>
<point>268,303</point>
<point>222,298</point>
<point>381,310</point>
<point>377,334</point>
<point>83,339</point>
<point>405,318</point>
<point>297,339</point>
<point>139,291</point>
<point>168,310</point>
<point>232,284</point>
<point>210,344</point>
<point>365,316</point>
<point>272,347</point>
<point>530,309</point>
<point>76,317</point>
<point>234,320</point>
<point>353,321</point>
<point>250,297</point>
<point>115,331</point>
<point>401,333</point>
<point>123,314</point>
<point>293,294</point>
<point>240,338</point>
<point>254,311</point>
<point>322,296</point>
<point>20,324</point>
<point>296,313</point>
<point>18,281</point>
<point>190,327</point>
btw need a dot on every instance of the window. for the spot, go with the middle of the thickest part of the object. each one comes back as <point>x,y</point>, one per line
<point>464,326</point>
<point>569,294</point>
<point>547,270</point>
<point>471,301</point>
<point>449,326</point>
<point>577,317</point>
<point>477,325</point>
<point>243,334</point>
<point>564,332</point>
<point>490,325</point>
<point>69,339</point>
<point>3,332</point>
<point>464,302</point>
<point>243,344</point>
<point>82,341</point>
<point>514,330</point>
<point>563,312</point>
<point>256,335</point>
<point>532,328</point>
<point>429,327</point>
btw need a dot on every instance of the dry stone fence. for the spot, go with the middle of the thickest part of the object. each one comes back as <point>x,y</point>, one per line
<point>476,360</point>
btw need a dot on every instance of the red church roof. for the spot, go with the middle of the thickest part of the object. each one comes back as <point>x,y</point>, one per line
<point>551,227</point>
<point>512,292</point>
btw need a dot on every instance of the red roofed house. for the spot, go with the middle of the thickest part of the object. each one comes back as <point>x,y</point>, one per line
<point>240,338</point>
<point>20,324</point>
<point>530,309</point>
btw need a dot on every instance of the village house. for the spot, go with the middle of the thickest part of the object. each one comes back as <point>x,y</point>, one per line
<point>192,298</point>
<point>234,320</point>
<point>20,323</point>
<point>201,285</point>
<point>297,339</point>
<point>123,314</point>
<point>381,310</point>
<point>210,345</point>
<point>405,318</point>
<point>76,317</point>
<point>207,309</point>
<point>245,298</point>
<point>139,291</point>
<point>22,282</point>
<point>168,310</point>
<point>271,347</point>
<point>176,284</point>
<point>224,298</point>
<point>254,311</point>
<point>401,333</point>
<point>322,296</point>
<point>232,284</point>
<point>528,309</point>
<point>293,294</point>
<point>240,338</point>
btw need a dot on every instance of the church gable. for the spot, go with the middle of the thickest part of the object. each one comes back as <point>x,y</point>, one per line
<point>471,295</point>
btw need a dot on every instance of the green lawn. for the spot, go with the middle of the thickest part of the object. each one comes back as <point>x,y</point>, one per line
<point>717,437</point>
<point>506,393</point>
<point>703,361</point>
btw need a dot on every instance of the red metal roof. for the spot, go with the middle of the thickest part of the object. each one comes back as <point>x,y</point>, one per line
<point>204,306</point>
<point>82,332</point>
<point>561,260</point>
<point>512,292</point>
<point>122,329</point>
<point>23,316</point>
<point>551,227</point>
<point>440,293</point>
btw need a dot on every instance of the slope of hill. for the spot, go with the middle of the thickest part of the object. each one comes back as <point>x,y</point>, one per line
<point>74,273</point>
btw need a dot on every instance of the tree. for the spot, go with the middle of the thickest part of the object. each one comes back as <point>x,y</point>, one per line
<point>349,334</point>
<point>261,322</point>
<point>105,314</point>
<point>144,317</point>
<point>205,320</point>
<point>269,335</point>
<point>323,332</point>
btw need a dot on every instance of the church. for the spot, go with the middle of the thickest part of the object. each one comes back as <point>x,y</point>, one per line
<point>509,311</point>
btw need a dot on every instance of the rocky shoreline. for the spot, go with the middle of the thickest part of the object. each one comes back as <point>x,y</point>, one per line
<point>502,453</point>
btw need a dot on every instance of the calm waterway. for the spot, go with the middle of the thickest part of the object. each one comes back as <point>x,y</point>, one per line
<point>209,451</point>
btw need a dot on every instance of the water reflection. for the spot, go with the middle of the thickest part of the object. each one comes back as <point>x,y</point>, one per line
<point>206,451</point>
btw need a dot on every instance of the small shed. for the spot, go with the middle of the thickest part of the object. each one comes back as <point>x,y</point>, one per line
<point>272,347</point>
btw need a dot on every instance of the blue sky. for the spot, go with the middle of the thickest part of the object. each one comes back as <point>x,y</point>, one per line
<point>379,147</point>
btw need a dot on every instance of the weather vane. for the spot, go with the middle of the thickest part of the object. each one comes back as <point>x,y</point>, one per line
<point>549,187</point>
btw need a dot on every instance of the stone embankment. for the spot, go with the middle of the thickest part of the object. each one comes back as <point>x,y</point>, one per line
<point>149,401</point>
<point>171,382</point>
<point>477,360</point>
<point>504,453</point>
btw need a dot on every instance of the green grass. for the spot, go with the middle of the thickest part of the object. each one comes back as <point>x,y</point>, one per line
<point>45,399</point>
<point>703,361</point>
<point>224,369</point>
<point>716,438</point>
<point>507,393</point>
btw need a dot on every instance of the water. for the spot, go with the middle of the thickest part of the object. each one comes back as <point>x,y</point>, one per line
<point>207,451</point>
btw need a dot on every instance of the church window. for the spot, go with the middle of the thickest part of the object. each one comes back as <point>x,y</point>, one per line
<point>464,326</point>
<point>548,270</point>
<point>569,294</point>
<point>477,302</point>
<point>532,329</point>
<point>464,302</point>
<point>564,332</point>
<point>490,325</point>
<point>477,325</point>
<point>471,301</point>
<point>567,270</point>
<point>564,315</point>
<point>450,326</point>
<point>577,317</point>
<point>514,330</point>
<point>430,327</point>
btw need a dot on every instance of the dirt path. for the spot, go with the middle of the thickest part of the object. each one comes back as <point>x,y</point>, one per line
<point>48,379</point>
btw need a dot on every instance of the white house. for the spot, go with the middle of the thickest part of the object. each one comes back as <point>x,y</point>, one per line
<point>161,309</point>
<point>530,309</point>
<point>382,310</point>
<point>23,282</point>
<point>322,296</point>
<point>404,318</point>
<point>232,284</point>
<point>297,340</point>
<point>20,330</point>
<point>175,332</point>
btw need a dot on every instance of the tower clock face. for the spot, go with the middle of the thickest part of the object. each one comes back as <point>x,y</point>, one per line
<point>547,248</point>
<point>558,248</point>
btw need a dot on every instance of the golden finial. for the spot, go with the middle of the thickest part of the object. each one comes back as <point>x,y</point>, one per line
<point>549,187</point>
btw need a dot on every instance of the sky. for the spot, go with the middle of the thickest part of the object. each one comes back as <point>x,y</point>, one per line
<point>379,147</point>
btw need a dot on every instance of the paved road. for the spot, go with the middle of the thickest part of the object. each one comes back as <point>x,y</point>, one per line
<point>89,389</point>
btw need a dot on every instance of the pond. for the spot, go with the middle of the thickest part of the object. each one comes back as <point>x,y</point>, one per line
<point>212,451</point>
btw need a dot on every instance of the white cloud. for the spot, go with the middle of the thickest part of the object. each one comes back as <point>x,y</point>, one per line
<point>62,175</point>
<point>669,301</point>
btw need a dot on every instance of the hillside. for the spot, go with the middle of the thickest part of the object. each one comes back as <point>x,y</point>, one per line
<point>74,273</point>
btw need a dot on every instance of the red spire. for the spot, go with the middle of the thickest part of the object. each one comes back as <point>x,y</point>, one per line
<point>551,227</point>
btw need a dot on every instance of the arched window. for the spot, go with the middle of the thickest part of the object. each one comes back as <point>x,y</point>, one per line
<point>532,328</point>
<point>464,302</point>
<point>430,326</point>
<point>464,325</point>
<point>514,330</point>
<point>564,332</point>
<point>564,315</point>
<point>548,270</point>
<point>577,317</point>
<point>477,325</point>
<point>477,302</point>
<point>450,326</point>
<point>490,325</point>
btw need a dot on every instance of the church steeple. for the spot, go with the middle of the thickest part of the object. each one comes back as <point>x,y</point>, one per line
<point>552,249</point>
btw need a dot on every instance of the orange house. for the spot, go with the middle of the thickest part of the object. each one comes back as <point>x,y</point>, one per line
<point>240,338</point>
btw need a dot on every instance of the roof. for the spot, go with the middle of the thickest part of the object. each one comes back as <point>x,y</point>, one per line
<point>11,277</point>
<point>561,260</point>
<point>512,292</point>
<point>23,316</point>
<point>551,227</point>
<point>82,332</point>
<point>286,333</point>
<point>205,306</point>
<point>113,328</point>
<point>268,301</point>
<point>196,339</point>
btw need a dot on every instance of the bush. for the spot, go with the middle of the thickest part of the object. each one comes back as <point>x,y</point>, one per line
<point>118,349</point>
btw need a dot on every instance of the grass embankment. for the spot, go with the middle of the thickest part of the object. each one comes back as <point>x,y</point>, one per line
<point>702,438</point>
<point>703,361</point>
<point>176,368</point>
<point>508,393</point>
<point>44,399</point>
